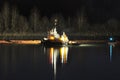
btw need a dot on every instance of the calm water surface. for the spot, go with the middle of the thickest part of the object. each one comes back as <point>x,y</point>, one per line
<point>84,62</point>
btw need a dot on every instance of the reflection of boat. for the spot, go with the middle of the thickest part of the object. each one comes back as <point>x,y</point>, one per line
<point>56,53</point>
<point>53,38</point>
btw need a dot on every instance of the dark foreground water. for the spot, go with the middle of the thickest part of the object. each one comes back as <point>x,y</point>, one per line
<point>35,62</point>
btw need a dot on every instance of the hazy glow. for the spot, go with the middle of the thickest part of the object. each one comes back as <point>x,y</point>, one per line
<point>64,37</point>
<point>72,42</point>
<point>20,42</point>
<point>4,42</point>
<point>51,38</point>
<point>110,38</point>
<point>85,45</point>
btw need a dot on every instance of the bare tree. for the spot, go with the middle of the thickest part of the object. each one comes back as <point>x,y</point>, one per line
<point>112,26</point>
<point>5,13</point>
<point>69,23</point>
<point>22,25</point>
<point>34,21</point>
<point>1,24</point>
<point>14,19</point>
<point>45,24</point>
<point>81,20</point>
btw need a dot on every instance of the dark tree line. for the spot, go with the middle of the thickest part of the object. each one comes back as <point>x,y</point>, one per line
<point>11,21</point>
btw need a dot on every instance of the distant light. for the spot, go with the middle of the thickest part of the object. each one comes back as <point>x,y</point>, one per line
<point>51,38</point>
<point>56,20</point>
<point>110,38</point>
<point>87,45</point>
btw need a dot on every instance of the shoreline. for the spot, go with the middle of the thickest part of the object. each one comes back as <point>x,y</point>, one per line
<point>71,42</point>
<point>36,38</point>
<point>41,36</point>
<point>36,42</point>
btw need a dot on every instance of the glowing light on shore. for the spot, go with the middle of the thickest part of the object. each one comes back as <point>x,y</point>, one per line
<point>20,41</point>
<point>72,42</point>
<point>26,41</point>
<point>87,45</point>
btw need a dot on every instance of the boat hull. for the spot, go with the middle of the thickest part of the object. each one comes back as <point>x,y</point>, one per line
<point>53,43</point>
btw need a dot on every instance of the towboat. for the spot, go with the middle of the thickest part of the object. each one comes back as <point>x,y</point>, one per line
<point>55,39</point>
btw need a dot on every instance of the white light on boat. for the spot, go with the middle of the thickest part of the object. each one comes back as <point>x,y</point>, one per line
<point>45,39</point>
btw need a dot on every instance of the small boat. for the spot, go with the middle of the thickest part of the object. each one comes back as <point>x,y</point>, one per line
<point>55,39</point>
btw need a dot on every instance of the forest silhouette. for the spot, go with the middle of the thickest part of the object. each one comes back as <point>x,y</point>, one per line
<point>14,23</point>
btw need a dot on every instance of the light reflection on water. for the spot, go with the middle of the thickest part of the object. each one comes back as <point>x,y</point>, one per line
<point>54,54</point>
<point>31,62</point>
<point>111,52</point>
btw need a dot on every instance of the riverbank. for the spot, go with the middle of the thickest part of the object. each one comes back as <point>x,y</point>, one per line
<point>71,42</point>
<point>39,36</point>
<point>17,36</point>
<point>20,42</point>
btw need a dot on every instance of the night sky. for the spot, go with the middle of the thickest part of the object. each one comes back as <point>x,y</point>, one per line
<point>96,10</point>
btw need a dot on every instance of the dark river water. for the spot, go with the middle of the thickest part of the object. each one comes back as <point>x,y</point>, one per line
<point>83,62</point>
